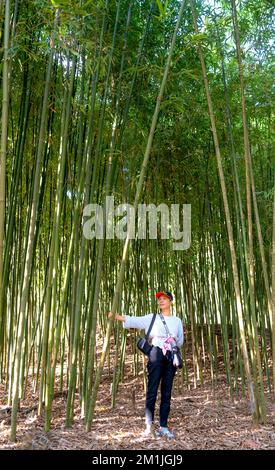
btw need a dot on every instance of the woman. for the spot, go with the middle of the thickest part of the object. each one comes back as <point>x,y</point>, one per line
<point>160,364</point>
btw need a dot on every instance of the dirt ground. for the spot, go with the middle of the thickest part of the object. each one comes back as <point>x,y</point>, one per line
<point>200,419</point>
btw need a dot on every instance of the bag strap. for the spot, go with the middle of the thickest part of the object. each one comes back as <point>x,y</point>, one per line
<point>151,325</point>
<point>163,321</point>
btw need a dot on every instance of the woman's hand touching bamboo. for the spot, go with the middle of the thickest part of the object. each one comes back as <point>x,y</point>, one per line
<point>117,316</point>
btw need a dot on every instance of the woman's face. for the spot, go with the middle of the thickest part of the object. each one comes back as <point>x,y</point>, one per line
<point>164,302</point>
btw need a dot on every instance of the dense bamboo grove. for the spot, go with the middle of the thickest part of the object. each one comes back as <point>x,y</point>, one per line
<point>150,102</point>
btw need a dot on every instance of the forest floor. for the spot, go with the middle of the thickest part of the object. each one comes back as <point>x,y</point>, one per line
<point>201,418</point>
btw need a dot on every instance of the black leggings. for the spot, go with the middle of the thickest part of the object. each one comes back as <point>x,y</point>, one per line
<point>160,368</point>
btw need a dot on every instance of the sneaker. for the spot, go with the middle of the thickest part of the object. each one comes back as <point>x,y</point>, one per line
<point>165,432</point>
<point>149,431</point>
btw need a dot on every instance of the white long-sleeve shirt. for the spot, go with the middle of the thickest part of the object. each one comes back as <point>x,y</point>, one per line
<point>158,332</point>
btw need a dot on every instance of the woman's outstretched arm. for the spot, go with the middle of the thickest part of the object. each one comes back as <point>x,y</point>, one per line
<point>142,323</point>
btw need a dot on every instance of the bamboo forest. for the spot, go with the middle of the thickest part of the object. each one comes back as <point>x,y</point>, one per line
<point>136,165</point>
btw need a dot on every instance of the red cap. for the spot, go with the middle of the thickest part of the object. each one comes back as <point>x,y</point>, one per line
<point>167,294</point>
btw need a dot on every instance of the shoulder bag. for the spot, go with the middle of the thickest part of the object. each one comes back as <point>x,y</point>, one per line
<point>143,343</point>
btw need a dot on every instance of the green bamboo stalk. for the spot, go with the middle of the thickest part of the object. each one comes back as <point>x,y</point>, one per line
<point>3,153</point>
<point>30,244</point>
<point>251,274</point>
<point>54,254</point>
<point>109,178</point>
<point>90,194</point>
<point>273,295</point>
<point>251,390</point>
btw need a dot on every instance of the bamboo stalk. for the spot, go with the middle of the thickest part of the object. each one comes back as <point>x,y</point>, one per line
<point>30,246</point>
<point>273,295</point>
<point>251,275</point>
<point>3,153</point>
<point>251,390</point>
